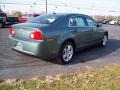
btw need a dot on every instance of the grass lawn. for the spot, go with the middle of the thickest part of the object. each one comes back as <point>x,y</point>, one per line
<point>107,78</point>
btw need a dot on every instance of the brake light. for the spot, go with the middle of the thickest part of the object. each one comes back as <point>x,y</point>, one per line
<point>36,35</point>
<point>12,32</point>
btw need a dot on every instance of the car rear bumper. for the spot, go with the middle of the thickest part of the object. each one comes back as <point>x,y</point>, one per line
<point>35,48</point>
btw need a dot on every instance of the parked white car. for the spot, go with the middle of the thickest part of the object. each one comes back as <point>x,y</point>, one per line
<point>113,22</point>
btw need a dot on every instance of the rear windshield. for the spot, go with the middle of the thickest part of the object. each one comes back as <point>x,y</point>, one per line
<point>44,19</point>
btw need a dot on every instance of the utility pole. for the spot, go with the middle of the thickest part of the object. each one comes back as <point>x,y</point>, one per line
<point>46,6</point>
<point>93,11</point>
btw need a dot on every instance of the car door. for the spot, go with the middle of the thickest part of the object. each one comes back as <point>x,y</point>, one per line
<point>81,31</point>
<point>95,34</point>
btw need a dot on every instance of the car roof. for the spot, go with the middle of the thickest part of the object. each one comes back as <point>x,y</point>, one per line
<point>68,14</point>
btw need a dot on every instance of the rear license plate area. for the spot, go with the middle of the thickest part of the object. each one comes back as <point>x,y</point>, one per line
<point>18,45</point>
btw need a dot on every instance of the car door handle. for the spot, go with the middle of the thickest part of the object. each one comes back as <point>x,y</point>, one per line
<point>75,31</point>
<point>92,29</point>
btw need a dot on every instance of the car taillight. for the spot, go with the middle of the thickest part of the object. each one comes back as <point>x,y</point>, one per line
<point>12,32</point>
<point>36,35</point>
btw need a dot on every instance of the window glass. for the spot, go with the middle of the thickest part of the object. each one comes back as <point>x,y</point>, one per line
<point>46,19</point>
<point>73,22</point>
<point>77,21</point>
<point>91,23</point>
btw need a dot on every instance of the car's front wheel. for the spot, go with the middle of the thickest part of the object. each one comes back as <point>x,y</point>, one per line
<point>66,53</point>
<point>104,40</point>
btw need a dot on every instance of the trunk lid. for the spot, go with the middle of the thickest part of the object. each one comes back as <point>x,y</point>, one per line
<point>22,31</point>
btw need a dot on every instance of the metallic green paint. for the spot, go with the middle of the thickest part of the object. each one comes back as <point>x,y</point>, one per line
<point>54,36</point>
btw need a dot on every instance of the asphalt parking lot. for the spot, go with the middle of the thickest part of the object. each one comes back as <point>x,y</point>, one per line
<point>17,65</point>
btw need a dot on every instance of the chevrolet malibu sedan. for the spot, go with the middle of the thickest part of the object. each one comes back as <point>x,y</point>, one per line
<point>57,35</point>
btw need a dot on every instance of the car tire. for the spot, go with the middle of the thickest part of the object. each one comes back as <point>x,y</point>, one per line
<point>66,53</point>
<point>104,40</point>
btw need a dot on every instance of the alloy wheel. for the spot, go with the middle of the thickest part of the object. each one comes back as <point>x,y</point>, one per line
<point>68,53</point>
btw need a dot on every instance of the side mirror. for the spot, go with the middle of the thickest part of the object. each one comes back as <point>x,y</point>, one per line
<point>99,24</point>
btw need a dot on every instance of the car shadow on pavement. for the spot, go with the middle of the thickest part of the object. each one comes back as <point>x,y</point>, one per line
<point>96,52</point>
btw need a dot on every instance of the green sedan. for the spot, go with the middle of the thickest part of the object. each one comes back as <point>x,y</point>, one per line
<point>57,35</point>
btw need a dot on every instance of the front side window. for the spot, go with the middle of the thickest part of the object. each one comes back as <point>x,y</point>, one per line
<point>77,22</point>
<point>91,23</point>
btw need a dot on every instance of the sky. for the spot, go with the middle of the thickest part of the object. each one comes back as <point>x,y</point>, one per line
<point>91,7</point>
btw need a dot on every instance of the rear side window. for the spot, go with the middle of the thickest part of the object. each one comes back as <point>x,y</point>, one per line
<point>45,19</point>
<point>77,22</point>
<point>91,22</point>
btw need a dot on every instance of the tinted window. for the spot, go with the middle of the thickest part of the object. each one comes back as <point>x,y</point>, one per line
<point>91,22</point>
<point>45,19</point>
<point>77,21</point>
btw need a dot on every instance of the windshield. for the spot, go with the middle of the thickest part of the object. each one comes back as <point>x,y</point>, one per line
<point>45,19</point>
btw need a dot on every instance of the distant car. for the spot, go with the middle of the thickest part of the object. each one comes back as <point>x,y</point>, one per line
<point>5,20</point>
<point>25,18</point>
<point>22,20</point>
<point>57,35</point>
<point>104,21</point>
<point>113,22</point>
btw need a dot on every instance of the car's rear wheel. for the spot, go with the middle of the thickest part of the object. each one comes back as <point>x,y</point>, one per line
<point>66,53</point>
<point>104,40</point>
